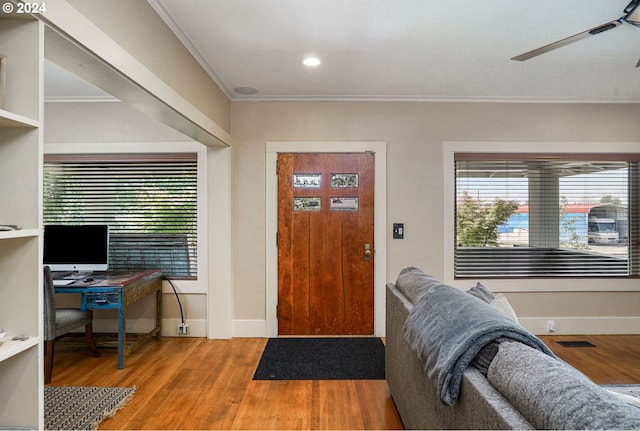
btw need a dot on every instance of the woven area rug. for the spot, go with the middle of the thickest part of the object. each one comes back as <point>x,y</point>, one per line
<point>353,358</point>
<point>82,408</point>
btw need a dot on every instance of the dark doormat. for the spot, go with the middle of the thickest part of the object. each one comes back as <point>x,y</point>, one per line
<point>577,343</point>
<point>321,359</point>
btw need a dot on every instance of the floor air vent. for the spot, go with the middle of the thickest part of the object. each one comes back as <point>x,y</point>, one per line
<point>577,343</point>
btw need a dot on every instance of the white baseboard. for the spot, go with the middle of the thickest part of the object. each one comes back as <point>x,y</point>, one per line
<point>197,327</point>
<point>249,329</point>
<point>258,328</point>
<point>583,325</point>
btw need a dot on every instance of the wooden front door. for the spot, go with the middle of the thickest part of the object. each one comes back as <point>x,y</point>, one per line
<point>325,244</point>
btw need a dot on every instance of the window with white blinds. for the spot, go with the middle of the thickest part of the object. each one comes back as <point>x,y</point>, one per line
<point>149,202</point>
<point>546,215</point>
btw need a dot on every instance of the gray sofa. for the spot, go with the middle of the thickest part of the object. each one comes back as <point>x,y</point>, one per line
<point>510,380</point>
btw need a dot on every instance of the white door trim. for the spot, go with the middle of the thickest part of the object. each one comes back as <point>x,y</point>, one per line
<point>380,221</point>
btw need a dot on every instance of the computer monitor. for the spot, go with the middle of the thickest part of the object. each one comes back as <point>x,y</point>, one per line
<point>81,248</point>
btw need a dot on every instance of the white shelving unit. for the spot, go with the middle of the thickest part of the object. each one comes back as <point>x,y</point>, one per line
<point>21,362</point>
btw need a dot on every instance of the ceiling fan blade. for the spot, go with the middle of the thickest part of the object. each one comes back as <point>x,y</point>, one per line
<point>566,41</point>
<point>633,4</point>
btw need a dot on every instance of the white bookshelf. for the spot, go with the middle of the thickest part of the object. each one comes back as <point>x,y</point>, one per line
<point>12,348</point>
<point>21,362</point>
<point>9,119</point>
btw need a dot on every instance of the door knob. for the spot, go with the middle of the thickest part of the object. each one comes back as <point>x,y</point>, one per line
<point>367,251</point>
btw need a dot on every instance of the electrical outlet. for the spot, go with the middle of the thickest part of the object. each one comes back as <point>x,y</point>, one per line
<point>183,329</point>
<point>551,325</point>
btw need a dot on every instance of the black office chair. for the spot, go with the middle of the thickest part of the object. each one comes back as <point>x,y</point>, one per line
<point>61,321</point>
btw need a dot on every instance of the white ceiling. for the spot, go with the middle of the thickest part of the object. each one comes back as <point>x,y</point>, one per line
<point>409,49</point>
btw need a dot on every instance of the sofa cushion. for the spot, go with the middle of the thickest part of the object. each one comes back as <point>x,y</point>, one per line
<point>414,283</point>
<point>481,291</point>
<point>501,304</point>
<point>550,394</point>
<point>485,356</point>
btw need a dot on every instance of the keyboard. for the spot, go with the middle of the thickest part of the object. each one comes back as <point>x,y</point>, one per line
<point>62,282</point>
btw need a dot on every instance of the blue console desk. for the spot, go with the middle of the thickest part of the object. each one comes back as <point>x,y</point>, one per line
<point>118,290</point>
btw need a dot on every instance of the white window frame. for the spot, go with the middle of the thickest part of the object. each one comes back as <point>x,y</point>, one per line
<point>550,284</point>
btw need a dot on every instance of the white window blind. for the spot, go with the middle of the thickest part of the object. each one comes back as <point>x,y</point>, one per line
<point>546,215</point>
<point>149,202</point>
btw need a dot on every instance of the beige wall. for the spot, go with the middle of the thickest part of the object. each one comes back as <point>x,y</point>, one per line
<point>136,27</point>
<point>415,133</point>
<point>151,70</point>
<point>117,127</point>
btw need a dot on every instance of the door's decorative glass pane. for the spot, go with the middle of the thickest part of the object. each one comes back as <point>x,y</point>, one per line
<point>344,180</point>
<point>307,204</point>
<point>344,204</point>
<point>307,180</point>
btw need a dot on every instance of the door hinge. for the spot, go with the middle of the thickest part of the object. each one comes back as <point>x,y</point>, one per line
<point>277,168</point>
<point>277,239</point>
<point>277,312</point>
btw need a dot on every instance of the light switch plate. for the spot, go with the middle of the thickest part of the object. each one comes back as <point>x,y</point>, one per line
<point>398,231</point>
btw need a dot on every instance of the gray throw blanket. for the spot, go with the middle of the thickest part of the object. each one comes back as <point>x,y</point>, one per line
<point>448,327</point>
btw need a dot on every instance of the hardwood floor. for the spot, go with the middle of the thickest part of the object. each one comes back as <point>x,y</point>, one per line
<point>614,360</point>
<point>193,383</point>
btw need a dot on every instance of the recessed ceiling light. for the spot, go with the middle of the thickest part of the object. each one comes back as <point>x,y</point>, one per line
<point>247,91</point>
<point>311,61</point>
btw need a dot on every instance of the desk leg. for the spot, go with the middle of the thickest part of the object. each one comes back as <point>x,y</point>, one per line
<point>122,334</point>
<point>158,328</point>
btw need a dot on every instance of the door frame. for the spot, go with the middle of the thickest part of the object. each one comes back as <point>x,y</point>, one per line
<point>379,230</point>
